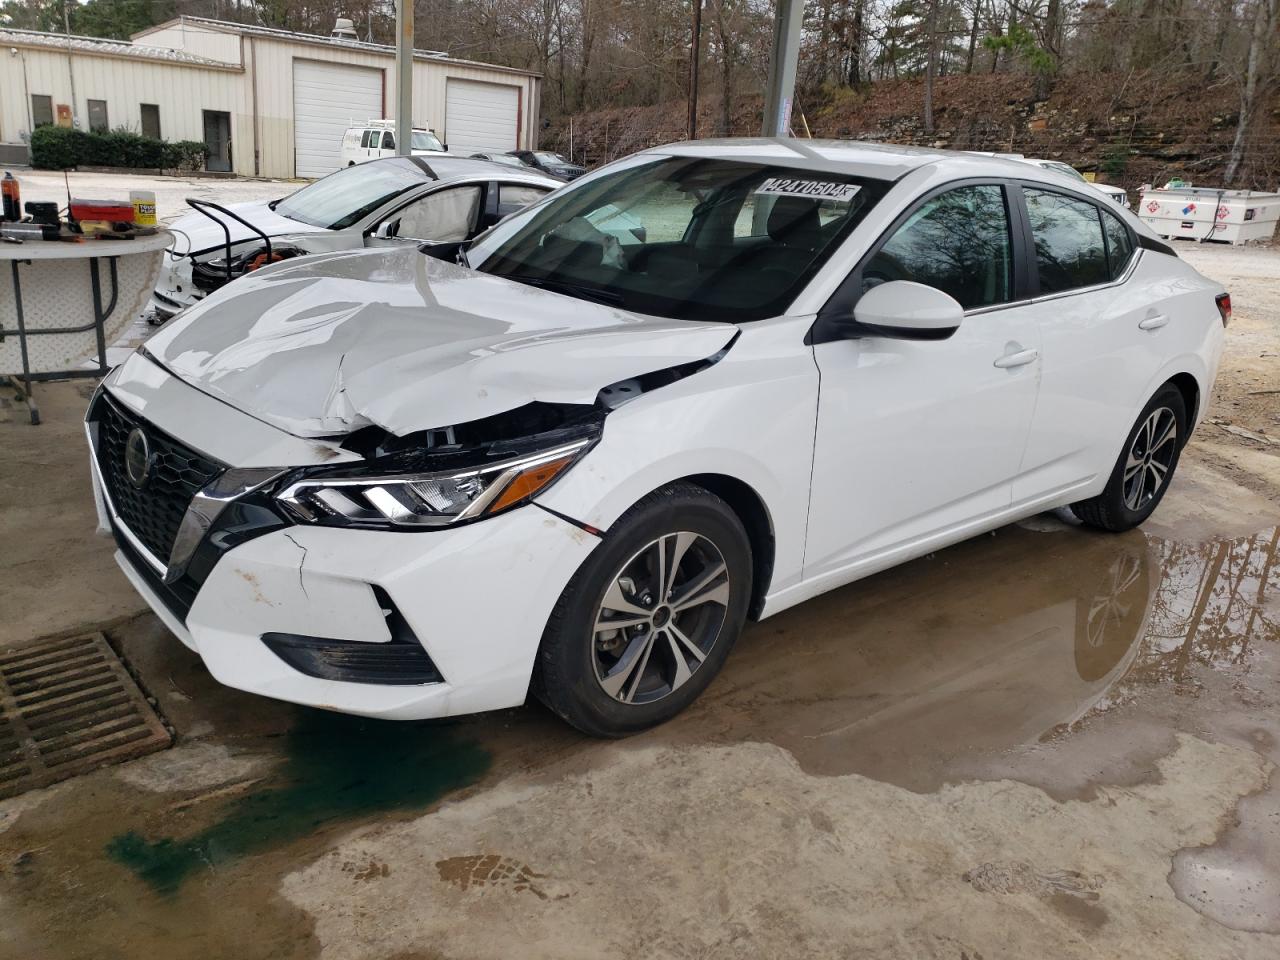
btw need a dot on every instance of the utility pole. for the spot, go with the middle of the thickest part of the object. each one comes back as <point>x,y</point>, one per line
<point>404,78</point>
<point>694,56</point>
<point>778,95</point>
<point>71,68</point>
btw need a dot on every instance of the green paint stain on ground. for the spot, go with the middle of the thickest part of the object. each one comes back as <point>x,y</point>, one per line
<point>338,767</point>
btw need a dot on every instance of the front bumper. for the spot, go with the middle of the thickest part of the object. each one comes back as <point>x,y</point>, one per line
<point>174,290</point>
<point>475,597</point>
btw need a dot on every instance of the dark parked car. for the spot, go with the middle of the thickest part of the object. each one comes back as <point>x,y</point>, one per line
<point>551,163</point>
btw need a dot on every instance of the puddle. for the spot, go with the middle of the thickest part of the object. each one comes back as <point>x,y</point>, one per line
<point>1061,658</point>
<point>336,767</point>
<point>978,660</point>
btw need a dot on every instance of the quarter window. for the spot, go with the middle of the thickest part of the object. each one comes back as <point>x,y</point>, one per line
<point>1119,244</point>
<point>513,196</point>
<point>957,242</point>
<point>1070,250</point>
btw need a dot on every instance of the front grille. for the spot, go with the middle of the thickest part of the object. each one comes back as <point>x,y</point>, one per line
<point>154,512</point>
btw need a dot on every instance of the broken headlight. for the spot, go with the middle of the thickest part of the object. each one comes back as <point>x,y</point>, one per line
<point>426,500</point>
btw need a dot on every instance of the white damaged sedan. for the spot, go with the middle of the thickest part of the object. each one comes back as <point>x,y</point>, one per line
<point>576,459</point>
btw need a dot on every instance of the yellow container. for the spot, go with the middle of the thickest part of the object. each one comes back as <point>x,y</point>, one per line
<point>144,207</point>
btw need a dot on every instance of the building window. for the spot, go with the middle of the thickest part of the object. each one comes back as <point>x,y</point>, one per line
<point>41,110</point>
<point>151,120</point>
<point>98,116</point>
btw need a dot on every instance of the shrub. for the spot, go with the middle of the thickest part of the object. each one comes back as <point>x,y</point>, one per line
<point>1114,161</point>
<point>185,155</point>
<point>57,148</point>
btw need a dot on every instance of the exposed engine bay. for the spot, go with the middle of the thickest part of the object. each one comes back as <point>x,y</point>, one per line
<point>210,275</point>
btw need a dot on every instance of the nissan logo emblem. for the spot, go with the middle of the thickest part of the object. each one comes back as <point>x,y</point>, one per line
<point>137,457</point>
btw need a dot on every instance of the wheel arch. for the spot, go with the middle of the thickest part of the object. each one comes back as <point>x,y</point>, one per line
<point>1189,387</point>
<point>751,510</point>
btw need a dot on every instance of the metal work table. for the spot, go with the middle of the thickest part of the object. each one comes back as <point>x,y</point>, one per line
<point>48,288</point>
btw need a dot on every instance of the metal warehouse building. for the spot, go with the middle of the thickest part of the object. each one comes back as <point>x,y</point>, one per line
<point>266,102</point>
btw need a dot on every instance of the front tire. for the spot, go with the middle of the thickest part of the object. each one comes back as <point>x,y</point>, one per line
<point>649,619</point>
<point>1145,467</point>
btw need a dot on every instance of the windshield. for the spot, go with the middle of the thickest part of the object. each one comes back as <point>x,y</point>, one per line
<point>426,140</point>
<point>348,196</point>
<point>688,238</point>
<point>545,157</point>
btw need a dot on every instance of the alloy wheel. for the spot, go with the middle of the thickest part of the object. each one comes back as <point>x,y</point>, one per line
<point>659,618</point>
<point>1151,454</point>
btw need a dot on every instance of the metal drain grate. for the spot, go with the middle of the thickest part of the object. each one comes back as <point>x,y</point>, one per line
<point>66,707</point>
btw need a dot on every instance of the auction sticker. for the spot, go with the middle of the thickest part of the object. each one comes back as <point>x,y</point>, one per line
<point>817,189</point>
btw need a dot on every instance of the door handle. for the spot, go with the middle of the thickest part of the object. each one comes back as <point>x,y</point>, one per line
<point>1018,359</point>
<point>1153,323</point>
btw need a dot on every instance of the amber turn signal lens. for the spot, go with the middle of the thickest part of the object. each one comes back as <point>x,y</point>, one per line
<point>530,482</point>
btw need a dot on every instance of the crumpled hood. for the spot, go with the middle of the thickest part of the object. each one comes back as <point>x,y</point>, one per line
<point>204,233</point>
<point>327,344</point>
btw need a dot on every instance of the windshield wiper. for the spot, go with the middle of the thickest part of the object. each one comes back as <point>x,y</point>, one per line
<point>579,290</point>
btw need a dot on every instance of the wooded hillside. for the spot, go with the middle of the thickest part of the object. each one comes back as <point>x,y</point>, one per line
<point>1128,129</point>
<point>1139,86</point>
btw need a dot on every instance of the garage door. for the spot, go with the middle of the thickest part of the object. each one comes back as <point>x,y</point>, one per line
<point>328,98</point>
<point>480,116</point>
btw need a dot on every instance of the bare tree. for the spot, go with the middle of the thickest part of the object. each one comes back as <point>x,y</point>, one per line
<point>1257,78</point>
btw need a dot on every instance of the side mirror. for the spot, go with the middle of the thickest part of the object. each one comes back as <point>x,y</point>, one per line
<point>386,230</point>
<point>905,310</point>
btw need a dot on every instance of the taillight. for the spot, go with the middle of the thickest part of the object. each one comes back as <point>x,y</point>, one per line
<point>1223,300</point>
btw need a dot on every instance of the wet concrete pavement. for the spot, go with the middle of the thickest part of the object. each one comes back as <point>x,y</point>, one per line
<point>1042,742</point>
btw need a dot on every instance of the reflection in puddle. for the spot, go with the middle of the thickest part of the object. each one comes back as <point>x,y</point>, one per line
<point>918,675</point>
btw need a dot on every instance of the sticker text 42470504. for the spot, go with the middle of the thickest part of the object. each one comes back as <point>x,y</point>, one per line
<point>814,189</point>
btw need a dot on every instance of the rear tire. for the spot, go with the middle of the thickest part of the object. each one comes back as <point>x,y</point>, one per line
<point>674,572</point>
<point>1144,468</point>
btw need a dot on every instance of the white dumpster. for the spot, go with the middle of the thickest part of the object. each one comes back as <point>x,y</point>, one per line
<point>1203,213</point>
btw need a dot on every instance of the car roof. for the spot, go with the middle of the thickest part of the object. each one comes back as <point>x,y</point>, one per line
<point>876,160</point>
<point>446,167</point>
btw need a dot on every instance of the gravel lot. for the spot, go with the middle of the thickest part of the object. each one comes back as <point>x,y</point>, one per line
<point>171,192</point>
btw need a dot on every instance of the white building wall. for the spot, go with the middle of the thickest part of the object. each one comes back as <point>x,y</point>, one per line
<point>181,92</point>
<point>194,38</point>
<point>272,62</point>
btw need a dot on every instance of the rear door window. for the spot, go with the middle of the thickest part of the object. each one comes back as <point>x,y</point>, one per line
<point>1070,250</point>
<point>957,242</point>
